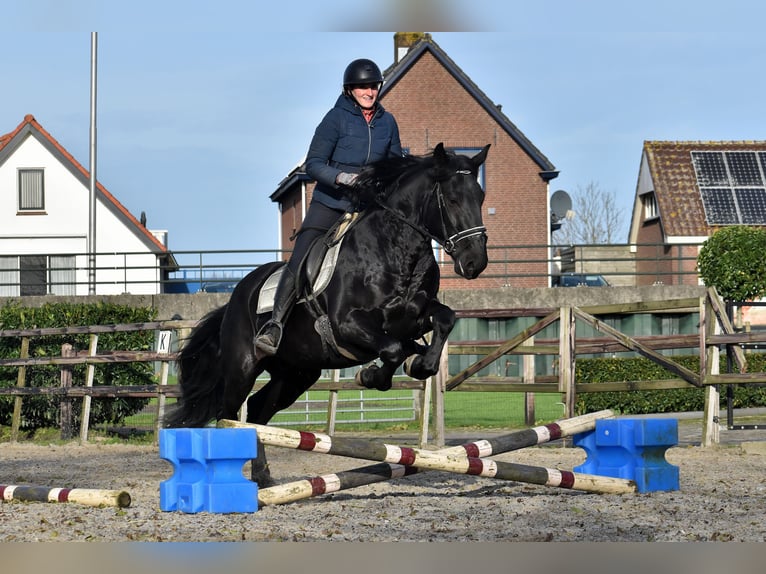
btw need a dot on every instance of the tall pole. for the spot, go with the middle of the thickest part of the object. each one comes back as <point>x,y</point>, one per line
<point>92,202</point>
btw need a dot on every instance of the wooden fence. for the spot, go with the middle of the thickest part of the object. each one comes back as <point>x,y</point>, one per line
<point>715,331</point>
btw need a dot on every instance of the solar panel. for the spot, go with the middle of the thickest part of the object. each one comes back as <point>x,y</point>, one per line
<point>743,167</point>
<point>710,168</point>
<point>752,204</point>
<point>732,185</point>
<point>719,206</point>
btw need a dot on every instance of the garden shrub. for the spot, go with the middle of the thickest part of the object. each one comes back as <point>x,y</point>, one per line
<point>657,401</point>
<point>43,411</point>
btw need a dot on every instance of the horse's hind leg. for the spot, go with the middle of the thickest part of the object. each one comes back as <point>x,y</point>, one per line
<point>284,388</point>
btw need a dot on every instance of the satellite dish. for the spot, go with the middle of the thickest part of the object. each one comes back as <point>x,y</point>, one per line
<point>561,203</point>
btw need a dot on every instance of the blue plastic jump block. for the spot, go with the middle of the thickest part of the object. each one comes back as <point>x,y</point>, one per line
<point>633,449</point>
<point>207,466</point>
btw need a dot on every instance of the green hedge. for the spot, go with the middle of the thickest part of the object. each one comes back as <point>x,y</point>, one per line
<point>661,401</point>
<point>43,412</point>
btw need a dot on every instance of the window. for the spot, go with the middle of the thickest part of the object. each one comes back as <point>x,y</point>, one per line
<point>32,275</point>
<point>37,275</point>
<point>9,276</point>
<point>61,272</point>
<point>650,206</point>
<point>31,190</point>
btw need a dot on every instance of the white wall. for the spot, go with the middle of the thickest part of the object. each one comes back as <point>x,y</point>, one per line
<point>63,227</point>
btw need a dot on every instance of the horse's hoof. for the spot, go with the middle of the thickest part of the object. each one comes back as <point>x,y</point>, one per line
<point>262,478</point>
<point>414,368</point>
<point>367,378</point>
<point>408,365</point>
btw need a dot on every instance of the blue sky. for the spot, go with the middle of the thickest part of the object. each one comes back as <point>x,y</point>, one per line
<point>203,107</point>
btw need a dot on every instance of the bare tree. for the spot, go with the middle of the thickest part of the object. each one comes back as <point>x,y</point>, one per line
<point>596,218</point>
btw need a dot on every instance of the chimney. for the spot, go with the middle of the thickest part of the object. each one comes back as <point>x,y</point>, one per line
<point>403,41</point>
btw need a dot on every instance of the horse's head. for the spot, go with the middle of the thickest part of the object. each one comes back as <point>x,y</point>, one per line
<point>454,214</point>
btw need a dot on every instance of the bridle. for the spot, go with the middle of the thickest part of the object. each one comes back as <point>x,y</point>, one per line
<point>451,241</point>
<point>450,244</point>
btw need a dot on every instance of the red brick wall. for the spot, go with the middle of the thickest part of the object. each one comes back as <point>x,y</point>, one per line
<point>657,262</point>
<point>430,106</point>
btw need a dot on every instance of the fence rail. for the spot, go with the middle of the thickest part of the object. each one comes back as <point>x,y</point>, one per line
<point>566,348</point>
<point>193,271</point>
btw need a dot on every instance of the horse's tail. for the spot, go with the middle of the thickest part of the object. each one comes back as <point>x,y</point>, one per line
<point>199,375</point>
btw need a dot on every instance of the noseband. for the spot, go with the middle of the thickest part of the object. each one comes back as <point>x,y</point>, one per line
<point>450,244</point>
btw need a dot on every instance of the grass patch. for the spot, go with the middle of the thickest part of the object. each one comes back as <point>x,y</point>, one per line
<point>497,410</point>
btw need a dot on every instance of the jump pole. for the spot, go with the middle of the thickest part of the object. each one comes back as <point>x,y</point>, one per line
<point>86,496</point>
<point>465,459</point>
<point>329,483</point>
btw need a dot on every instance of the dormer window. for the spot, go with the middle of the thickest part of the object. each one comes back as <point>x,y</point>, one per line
<point>650,206</point>
<point>31,190</point>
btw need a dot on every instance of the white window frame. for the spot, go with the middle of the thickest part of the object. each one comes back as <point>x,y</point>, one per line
<point>62,275</point>
<point>31,189</point>
<point>9,276</point>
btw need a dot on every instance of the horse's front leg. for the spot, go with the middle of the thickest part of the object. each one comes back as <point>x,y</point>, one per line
<point>367,334</point>
<point>443,320</point>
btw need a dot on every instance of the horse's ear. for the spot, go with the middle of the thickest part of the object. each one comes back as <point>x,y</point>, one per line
<point>441,162</point>
<point>480,157</point>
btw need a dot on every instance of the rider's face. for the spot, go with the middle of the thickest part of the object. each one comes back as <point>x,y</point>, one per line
<point>365,95</point>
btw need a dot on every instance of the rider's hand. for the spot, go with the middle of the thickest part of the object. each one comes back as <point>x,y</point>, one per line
<point>344,178</point>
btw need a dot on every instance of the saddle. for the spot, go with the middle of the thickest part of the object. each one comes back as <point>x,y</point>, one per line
<point>316,269</point>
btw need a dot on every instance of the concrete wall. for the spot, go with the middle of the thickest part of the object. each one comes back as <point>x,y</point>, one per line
<point>615,262</point>
<point>194,306</point>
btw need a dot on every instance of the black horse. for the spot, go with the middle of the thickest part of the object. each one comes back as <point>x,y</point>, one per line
<point>379,303</point>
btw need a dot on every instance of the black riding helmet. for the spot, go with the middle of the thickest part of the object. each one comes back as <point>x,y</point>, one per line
<point>361,71</point>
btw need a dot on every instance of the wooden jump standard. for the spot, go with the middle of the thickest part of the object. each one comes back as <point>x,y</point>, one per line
<point>466,459</point>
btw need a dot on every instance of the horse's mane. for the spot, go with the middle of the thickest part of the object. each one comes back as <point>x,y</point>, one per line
<point>379,179</point>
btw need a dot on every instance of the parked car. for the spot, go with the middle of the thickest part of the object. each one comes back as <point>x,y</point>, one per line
<point>219,286</point>
<point>581,279</point>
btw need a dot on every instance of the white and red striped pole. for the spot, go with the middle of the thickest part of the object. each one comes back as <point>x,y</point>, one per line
<point>465,459</point>
<point>86,496</point>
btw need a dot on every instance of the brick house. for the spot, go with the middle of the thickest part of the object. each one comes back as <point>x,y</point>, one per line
<point>687,190</point>
<point>434,101</point>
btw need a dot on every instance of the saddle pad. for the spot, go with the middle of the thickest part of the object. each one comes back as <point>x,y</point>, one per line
<point>269,289</point>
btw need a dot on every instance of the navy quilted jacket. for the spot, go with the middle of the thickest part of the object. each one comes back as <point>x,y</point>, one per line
<point>344,141</point>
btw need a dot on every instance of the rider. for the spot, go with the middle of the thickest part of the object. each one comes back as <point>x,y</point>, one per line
<point>355,132</point>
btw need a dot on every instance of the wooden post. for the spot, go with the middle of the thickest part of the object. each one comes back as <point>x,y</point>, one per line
<point>425,395</point>
<point>425,410</point>
<point>567,359</point>
<point>528,376</point>
<point>90,372</point>
<point>332,405</point>
<point>710,362</point>
<point>65,410</point>
<point>21,381</point>
<point>438,389</point>
<point>164,341</point>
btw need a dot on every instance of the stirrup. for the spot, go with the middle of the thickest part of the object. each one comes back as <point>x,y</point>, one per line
<point>265,346</point>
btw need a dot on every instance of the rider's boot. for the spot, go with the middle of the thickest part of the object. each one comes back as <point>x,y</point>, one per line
<point>268,338</point>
